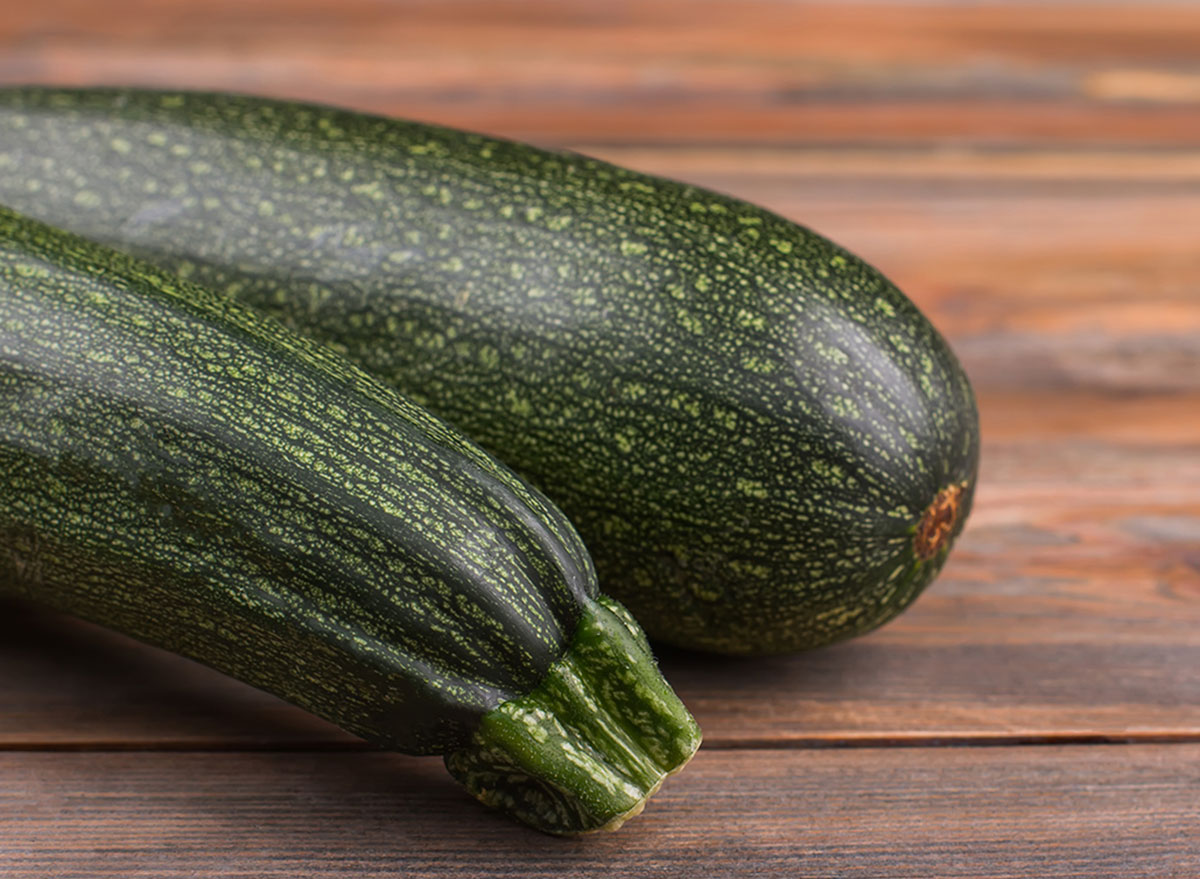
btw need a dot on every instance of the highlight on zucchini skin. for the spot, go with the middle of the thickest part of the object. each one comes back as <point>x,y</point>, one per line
<point>178,468</point>
<point>765,446</point>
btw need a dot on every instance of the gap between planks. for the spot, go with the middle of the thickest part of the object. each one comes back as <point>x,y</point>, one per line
<point>782,743</point>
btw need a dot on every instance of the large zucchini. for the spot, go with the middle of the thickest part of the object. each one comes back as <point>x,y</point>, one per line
<point>763,443</point>
<point>179,468</point>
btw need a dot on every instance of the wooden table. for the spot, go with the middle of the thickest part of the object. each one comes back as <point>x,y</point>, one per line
<point>1030,175</point>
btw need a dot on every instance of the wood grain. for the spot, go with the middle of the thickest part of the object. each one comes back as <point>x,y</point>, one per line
<point>1095,812</point>
<point>671,71</point>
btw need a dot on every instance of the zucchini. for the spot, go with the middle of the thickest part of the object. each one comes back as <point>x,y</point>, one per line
<point>763,443</point>
<point>181,469</point>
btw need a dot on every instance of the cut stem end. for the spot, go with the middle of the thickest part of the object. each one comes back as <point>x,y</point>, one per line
<point>936,527</point>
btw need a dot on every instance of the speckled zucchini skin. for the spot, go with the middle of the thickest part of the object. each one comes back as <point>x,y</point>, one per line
<point>172,459</point>
<point>750,427</point>
<point>180,468</point>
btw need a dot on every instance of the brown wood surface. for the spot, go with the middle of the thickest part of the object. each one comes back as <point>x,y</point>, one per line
<point>742,71</point>
<point>1029,174</point>
<point>1015,812</point>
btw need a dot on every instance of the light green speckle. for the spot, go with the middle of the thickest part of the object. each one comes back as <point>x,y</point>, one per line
<point>750,320</point>
<point>844,407</point>
<point>371,190</point>
<point>517,404</point>
<point>489,357</point>
<point>689,321</point>
<point>757,363</point>
<point>637,186</point>
<point>31,270</point>
<point>752,488</point>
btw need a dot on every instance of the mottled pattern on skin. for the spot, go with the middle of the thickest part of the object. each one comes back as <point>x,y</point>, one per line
<point>745,422</point>
<point>182,469</point>
<point>160,441</point>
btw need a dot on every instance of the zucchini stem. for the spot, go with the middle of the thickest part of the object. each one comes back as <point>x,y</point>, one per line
<point>591,743</point>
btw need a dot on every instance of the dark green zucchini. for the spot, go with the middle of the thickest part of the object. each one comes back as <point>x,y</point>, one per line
<point>763,443</point>
<point>179,468</point>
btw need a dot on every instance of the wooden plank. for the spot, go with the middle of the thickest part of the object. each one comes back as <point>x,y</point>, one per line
<point>1068,168</point>
<point>1098,811</point>
<point>1069,610</point>
<point>667,71</point>
<point>64,683</point>
<point>825,29</point>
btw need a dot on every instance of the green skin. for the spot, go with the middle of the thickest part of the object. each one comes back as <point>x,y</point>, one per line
<point>184,470</point>
<point>746,423</point>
